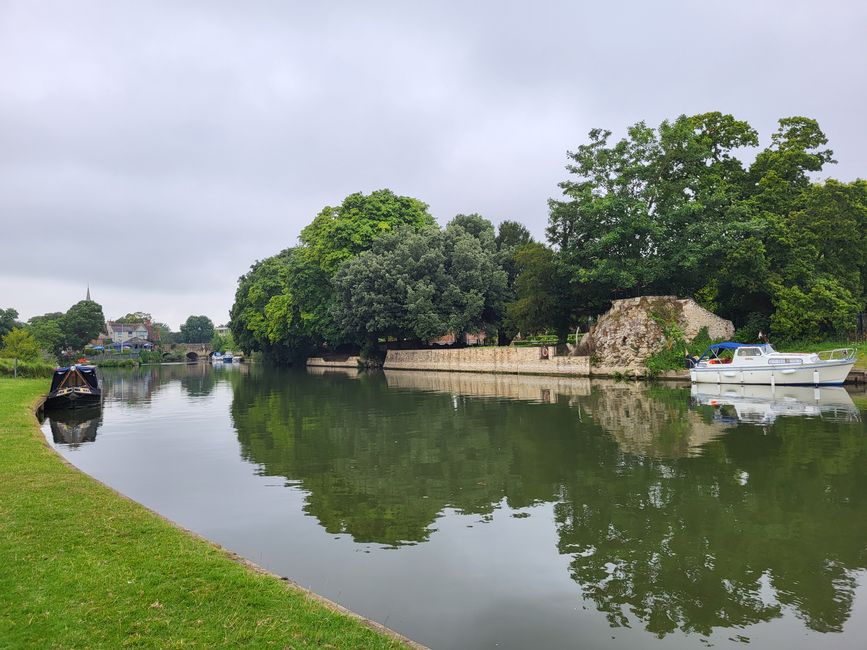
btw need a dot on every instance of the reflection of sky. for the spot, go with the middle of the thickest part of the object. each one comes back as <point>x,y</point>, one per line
<point>500,582</point>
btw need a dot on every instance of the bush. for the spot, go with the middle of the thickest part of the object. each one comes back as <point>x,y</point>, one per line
<point>150,356</point>
<point>673,356</point>
<point>32,369</point>
<point>117,363</point>
<point>749,332</point>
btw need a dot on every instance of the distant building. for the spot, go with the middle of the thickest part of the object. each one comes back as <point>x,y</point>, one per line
<point>133,335</point>
<point>222,330</point>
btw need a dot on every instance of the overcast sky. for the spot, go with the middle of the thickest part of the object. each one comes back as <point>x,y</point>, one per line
<point>154,150</point>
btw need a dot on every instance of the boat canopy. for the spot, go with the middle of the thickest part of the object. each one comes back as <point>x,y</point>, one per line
<point>729,345</point>
<point>87,373</point>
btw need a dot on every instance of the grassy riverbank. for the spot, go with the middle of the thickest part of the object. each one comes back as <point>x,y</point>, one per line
<point>81,566</point>
<point>860,349</point>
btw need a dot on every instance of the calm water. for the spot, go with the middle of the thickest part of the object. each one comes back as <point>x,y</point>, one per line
<point>475,511</point>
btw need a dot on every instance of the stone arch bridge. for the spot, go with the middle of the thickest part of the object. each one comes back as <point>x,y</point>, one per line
<point>196,351</point>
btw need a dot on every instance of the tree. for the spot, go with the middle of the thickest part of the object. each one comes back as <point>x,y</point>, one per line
<point>421,285</point>
<point>19,344</point>
<point>338,233</point>
<point>653,211</point>
<point>197,329</point>
<point>81,323</point>
<point>135,317</point>
<point>163,333</point>
<point>285,304</point>
<point>8,321</point>
<point>222,342</point>
<point>512,235</point>
<point>541,288</point>
<point>48,332</point>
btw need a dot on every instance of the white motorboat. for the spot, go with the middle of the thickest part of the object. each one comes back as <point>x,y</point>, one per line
<point>748,363</point>
<point>227,357</point>
<point>764,404</point>
<point>216,357</point>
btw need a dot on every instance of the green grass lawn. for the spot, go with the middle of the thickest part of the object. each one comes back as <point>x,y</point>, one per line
<point>81,566</point>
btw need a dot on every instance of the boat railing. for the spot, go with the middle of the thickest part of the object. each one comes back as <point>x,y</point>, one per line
<point>838,354</point>
<point>785,361</point>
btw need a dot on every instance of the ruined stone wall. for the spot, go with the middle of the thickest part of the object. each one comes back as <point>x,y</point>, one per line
<point>513,360</point>
<point>629,332</point>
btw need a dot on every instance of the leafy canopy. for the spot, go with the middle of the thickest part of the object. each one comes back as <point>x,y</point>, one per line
<point>20,344</point>
<point>197,329</point>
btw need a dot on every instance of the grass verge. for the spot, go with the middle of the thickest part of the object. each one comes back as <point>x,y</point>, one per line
<point>803,346</point>
<point>81,566</point>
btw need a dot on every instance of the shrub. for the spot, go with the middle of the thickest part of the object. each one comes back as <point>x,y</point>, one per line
<point>33,369</point>
<point>673,355</point>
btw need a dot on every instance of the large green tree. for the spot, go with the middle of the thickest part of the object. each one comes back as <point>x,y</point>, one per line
<point>422,285</point>
<point>651,212</point>
<point>285,305</point>
<point>338,233</point>
<point>541,293</point>
<point>48,332</point>
<point>81,323</point>
<point>197,329</point>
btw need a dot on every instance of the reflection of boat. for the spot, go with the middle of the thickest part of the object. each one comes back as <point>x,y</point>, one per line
<point>74,387</point>
<point>744,363</point>
<point>73,427</point>
<point>764,404</point>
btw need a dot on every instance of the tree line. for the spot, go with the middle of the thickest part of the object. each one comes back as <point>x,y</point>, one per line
<point>58,336</point>
<point>666,210</point>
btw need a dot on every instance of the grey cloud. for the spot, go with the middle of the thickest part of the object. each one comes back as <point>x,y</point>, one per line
<point>185,140</point>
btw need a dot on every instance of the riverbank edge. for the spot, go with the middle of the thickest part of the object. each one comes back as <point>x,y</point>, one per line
<point>35,408</point>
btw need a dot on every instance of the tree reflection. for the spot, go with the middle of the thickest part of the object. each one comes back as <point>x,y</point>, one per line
<point>671,521</point>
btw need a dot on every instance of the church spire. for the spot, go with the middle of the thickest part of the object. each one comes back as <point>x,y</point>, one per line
<point>88,293</point>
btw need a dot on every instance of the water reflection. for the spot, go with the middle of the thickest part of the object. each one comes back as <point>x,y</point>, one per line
<point>764,404</point>
<point>73,427</point>
<point>673,518</point>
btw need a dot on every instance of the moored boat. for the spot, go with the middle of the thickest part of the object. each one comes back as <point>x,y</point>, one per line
<point>227,357</point>
<point>749,363</point>
<point>216,357</point>
<point>74,387</point>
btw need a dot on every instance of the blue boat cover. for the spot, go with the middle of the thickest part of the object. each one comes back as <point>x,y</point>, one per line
<point>729,345</point>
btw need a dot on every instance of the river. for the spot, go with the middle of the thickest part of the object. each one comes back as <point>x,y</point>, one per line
<point>483,511</point>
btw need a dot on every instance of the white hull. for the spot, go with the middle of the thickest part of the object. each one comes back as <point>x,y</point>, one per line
<point>819,374</point>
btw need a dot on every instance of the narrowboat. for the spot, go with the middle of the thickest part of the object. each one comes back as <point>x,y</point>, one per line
<point>74,387</point>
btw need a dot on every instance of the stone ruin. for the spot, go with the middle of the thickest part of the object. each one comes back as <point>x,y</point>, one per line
<point>629,332</point>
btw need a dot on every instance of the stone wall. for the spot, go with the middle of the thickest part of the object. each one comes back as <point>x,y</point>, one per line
<point>630,331</point>
<point>348,362</point>
<point>512,360</point>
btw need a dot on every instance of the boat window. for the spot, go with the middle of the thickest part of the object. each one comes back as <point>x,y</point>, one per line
<point>749,352</point>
